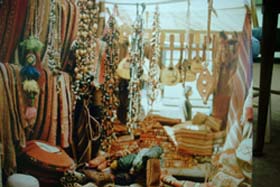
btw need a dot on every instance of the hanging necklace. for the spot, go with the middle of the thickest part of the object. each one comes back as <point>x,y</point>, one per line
<point>85,49</point>
<point>153,80</point>
<point>136,59</point>
<point>54,41</point>
<point>109,88</point>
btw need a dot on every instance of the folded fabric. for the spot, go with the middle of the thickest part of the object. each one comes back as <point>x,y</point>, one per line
<point>199,118</point>
<point>214,123</point>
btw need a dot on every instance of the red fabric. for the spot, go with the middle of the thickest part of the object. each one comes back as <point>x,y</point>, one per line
<point>15,17</point>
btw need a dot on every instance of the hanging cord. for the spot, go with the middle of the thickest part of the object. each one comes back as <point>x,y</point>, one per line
<point>210,9</point>
<point>151,3</point>
<point>187,41</point>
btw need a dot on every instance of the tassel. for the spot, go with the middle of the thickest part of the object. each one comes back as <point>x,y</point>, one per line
<point>31,87</point>
<point>32,44</point>
<point>30,72</point>
<point>30,114</point>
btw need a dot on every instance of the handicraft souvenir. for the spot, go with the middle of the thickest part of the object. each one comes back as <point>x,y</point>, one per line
<point>205,80</point>
<point>136,59</point>
<point>110,89</point>
<point>153,78</point>
<point>30,74</point>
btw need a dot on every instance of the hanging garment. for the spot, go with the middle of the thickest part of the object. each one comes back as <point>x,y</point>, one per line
<point>12,15</point>
<point>9,155</point>
<point>72,31</point>
<point>12,130</point>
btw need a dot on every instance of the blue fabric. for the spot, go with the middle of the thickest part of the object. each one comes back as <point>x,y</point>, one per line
<point>256,47</point>
<point>257,33</point>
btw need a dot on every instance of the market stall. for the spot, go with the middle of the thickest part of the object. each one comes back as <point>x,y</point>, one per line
<point>125,93</point>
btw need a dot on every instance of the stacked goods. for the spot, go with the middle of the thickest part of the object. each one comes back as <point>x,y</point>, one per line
<point>153,133</point>
<point>199,136</point>
<point>193,141</point>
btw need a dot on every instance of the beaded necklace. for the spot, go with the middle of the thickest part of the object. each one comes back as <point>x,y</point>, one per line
<point>110,89</point>
<point>85,49</point>
<point>136,59</point>
<point>54,46</point>
<point>153,80</point>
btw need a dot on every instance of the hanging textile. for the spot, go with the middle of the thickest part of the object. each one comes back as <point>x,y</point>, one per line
<point>12,128</point>
<point>225,68</point>
<point>12,15</point>
<point>87,133</point>
<point>53,121</point>
<point>240,87</point>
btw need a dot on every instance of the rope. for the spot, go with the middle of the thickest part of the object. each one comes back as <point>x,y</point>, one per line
<point>152,3</point>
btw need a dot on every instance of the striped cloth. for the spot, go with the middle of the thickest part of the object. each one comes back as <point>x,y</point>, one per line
<point>241,82</point>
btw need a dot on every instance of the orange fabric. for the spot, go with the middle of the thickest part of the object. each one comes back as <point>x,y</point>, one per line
<point>58,160</point>
<point>44,129</point>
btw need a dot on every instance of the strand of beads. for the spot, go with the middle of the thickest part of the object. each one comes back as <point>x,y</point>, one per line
<point>52,51</point>
<point>110,88</point>
<point>153,80</point>
<point>85,48</point>
<point>136,60</point>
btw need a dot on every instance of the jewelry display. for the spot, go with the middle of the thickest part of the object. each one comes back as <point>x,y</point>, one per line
<point>85,46</point>
<point>153,78</point>
<point>110,89</point>
<point>136,59</point>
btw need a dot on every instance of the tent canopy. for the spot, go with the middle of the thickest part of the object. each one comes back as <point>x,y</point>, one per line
<point>230,14</point>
